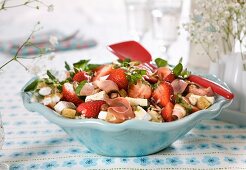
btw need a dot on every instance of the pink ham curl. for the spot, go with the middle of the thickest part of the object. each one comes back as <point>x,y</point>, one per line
<point>106,85</point>
<point>87,89</point>
<point>119,110</point>
<point>179,86</point>
<point>201,91</point>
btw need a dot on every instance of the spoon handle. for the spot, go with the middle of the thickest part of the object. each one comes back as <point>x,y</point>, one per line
<point>215,87</point>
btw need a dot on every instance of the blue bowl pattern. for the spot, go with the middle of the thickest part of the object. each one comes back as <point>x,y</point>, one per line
<point>130,138</point>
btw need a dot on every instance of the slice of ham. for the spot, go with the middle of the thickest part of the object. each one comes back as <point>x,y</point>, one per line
<point>87,90</point>
<point>201,91</point>
<point>150,75</point>
<point>119,110</point>
<point>140,90</point>
<point>179,86</point>
<point>179,111</point>
<point>106,85</point>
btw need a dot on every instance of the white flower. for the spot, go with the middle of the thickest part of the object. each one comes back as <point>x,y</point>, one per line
<point>51,8</point>
<point>53,41</point>
<point>216,20</point>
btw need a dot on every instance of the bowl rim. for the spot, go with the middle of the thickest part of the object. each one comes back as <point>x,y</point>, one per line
<point>195,117</point>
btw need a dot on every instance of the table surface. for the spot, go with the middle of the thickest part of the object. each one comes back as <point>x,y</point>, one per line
<point>32,142</point>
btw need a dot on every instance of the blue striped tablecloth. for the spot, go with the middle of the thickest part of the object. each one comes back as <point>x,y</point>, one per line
<point>32,142</point>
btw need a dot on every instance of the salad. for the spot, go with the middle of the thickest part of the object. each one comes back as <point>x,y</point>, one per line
<point>122,90</point>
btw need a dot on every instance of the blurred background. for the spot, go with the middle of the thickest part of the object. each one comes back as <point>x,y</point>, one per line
<point>149,21</point>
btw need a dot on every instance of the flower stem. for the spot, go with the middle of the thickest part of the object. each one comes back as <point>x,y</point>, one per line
<point>7,63</point>
<point>22,64</point>
<point>16,56</point>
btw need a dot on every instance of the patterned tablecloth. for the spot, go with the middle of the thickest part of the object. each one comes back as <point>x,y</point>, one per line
<point>32,142</point>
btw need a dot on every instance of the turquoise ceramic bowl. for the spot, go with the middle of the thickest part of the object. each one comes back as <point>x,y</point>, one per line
<point>130,138</point>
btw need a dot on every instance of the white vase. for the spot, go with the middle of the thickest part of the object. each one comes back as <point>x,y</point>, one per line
<point>243,96</point>
<point>217,69</point>
<point>233,77</point>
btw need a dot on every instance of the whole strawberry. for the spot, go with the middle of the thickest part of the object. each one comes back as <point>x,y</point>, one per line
<point>90,109</point>
<point>119,77</point>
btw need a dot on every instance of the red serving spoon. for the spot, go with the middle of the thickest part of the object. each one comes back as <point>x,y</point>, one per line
<point>135,51</point>
<point>132,50</point>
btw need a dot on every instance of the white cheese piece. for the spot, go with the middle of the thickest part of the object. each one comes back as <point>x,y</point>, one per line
<point>45,91</point>
<point>137,101</point>
<point>210,99</point>
<point>64,105</point>
<point>46,101</point>
<point>51,99</point>
<point>141,114</point>
<point>193,99</point>
<point>98,96</point>
<point>55,98</point>
<point>102,115</point>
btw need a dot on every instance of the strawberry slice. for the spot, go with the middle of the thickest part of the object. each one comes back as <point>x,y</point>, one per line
<point>170,78</point>
<point>167,111</point>
<point>166,74</point>
<point>102,70</point>
<point>90,109</point>
<point>119,77</point>
<point>81,76</point>
<point>163,93</point>
<point>140,90</point>
<point>69,94</point>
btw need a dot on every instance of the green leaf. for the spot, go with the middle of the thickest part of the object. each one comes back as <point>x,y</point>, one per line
<point>92,67</point>
<point>179,99</point>
<point>125,62</point>
<point>185,73</point>
<point>136,75</point>
<point>81,65</point>
<point>160,62</point>
<point>32,86</point>
<point>141,72</point>
<point>67,66</point>
<point>51,76</point>
<point>80,86</point>
<point>178,69</point>
<point>180,60</point>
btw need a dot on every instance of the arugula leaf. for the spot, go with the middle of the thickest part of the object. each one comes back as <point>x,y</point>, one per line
<point>160,62</point>
<point>80,86</point>
<point>32,86</point>
<point>178,69</point>
<point>179,72</point>
<point>141,72</point>
<point>50,75</point>
<point>81,65</point>
<point>185,73</point>
<point>136,75</point>
<point>91,67</point>
<point>125,62</point>
<point>67,66</point>
<point>180,60</point>
<point>180,100</point>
